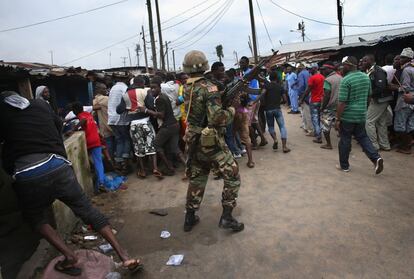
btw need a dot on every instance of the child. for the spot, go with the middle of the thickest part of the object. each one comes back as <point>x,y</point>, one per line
<point>93,143</point>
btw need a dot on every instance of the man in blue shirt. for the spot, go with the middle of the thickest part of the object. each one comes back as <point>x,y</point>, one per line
<point>300,86</point>
<point>291,79</point>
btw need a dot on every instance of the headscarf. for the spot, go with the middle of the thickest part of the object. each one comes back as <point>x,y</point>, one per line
<point>14,99</point>
<point>39,91</point>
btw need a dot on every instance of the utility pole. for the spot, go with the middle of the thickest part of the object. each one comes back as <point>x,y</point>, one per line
<point>110,58</point>
<point>236,56</point>
<point>51,55</point>
<point>339,7</point>
<point>124,60</point>
<point>256,61</point>
<point>249,42</point>
<point>129,55</point>
<point>145,49</point>
<point>137,51</point>
<point>160,36</point>
<point>166,50</point>
<point>151,30</point>
<point>173,52</point>
<point>301,27</point>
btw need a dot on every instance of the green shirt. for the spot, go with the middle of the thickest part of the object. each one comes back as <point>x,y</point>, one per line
<point>354,90</point>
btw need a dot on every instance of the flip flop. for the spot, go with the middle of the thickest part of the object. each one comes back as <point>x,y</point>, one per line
<point>134,267</point>
<point>71,270</point>
<point>326,147</point>
<point>157,174</point>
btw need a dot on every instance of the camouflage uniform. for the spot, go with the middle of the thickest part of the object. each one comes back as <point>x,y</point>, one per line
<point>210,150</point>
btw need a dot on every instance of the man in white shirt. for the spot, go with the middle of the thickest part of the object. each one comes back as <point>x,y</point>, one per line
<point>119,125</point>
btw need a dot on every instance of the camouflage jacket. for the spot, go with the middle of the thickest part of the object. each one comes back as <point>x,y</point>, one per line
<point>203,99</point>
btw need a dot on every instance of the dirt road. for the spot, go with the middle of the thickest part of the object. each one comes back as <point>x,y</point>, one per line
<point>304,219</point>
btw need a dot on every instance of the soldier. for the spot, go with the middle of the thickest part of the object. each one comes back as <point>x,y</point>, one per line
<point>207,150</point>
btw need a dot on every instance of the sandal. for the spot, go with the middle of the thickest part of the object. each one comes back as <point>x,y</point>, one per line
<point>286,150</point>
<point>157,174</point>
<point>250,164</point>
<point>69,270</point>
<point>135,266</point>
<point>326,146</point>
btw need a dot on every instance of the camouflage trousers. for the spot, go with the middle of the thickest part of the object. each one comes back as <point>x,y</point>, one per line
<point>218,159</point>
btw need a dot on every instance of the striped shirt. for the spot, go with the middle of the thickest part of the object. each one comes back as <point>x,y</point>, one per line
<point>354,90</point>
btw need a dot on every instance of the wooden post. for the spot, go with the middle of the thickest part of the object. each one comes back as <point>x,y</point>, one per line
<point>25,88</point>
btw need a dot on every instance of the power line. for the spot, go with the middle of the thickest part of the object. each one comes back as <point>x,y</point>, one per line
<point>182,37</point>
<point>209,24</point>
<point>100,50</point>
<point>264,23</point>
<point>218,18</point>
<point>62,17</point>
<point>336,24</point>
<point>187,19</point>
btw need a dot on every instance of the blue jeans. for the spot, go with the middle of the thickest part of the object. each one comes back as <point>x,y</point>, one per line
<point>316,118</point>
<point>122,142</point>
<point>271,115</point>
<point>230,140</point>
<point>346,131</point>
<point>294,99</point>
<point>37,192</point>
<point>96,154</point>
<point>110,142</point>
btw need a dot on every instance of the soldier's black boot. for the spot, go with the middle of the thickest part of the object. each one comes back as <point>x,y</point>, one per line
<point>190,220</point>
<point>227,221</point>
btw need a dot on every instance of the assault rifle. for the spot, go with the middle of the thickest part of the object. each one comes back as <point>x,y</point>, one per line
<point>230,94</point>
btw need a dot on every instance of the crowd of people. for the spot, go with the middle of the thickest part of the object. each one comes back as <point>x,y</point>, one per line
<point>143,119</point>
<point>359,98</point>
<point>170,119</point>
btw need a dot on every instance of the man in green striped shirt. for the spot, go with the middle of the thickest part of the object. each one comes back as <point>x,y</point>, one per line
<point>354,92</point>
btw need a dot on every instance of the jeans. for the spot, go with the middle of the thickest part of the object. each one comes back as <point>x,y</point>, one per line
<point>273,114</point>
<point>110,142</point>
<point>37,193</point>
<point>306,117</point>
<point>294,99</point>
<point>96,154</point>
<point>376,124</point>
<point>122,142</point>
<point>316,116</point>
<point>230,139</point>
<point>346,131</point>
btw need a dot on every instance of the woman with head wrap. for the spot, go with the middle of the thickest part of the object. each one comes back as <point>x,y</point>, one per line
<point>43,93</point>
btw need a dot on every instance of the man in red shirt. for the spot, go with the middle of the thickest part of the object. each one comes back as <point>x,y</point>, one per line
<point>93,143</point>
<point>315,89</point>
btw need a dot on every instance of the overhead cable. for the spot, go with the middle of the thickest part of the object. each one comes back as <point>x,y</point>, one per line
<point>336,24</point>
<point>62,17</point>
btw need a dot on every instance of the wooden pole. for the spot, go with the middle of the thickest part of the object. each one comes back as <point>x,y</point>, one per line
<point>160,36</point>
<point>151,30</point>
<point>145,49</point>
<point>256,61</point>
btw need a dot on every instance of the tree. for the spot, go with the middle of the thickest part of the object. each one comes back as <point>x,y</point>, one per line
<point>219,52</point>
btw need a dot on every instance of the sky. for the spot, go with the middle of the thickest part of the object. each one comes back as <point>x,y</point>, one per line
<point>75,37</point>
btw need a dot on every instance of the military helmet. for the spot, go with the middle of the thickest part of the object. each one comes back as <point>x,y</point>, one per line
<point>195,62</point>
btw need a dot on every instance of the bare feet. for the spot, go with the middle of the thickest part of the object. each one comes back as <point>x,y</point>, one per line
<point>250,164</point>
<point>133,265</point>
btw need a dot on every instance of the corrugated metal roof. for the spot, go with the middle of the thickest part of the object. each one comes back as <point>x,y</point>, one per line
<point>40,69</point>
<point>349,40</point>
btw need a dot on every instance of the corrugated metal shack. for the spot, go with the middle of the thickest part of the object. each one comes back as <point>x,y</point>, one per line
<point>379,43</point>
<point>66,84</point>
